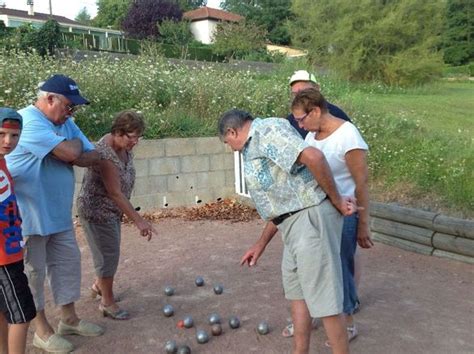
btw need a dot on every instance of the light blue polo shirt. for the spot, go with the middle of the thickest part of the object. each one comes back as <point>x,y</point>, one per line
<point>44,185</point>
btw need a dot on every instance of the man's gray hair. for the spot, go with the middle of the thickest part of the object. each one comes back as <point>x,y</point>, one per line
<point>233,119</point>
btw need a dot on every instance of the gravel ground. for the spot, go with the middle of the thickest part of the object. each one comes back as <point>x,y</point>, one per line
<point>410,303</point>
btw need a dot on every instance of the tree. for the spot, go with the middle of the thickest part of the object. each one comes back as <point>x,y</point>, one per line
<point>237,39</point>
<point>187,5</point>
<point>394,41</point>
<point>458,35</point>
<point>175,32</point>
<point>110,13</point>
<point>83,17</point>
<point>269,14</point>
<point>144,15</point>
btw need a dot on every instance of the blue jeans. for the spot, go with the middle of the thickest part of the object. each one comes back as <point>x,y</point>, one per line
<point>348,248</point>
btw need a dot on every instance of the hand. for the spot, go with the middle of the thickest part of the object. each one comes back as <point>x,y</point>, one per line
<point>252,255</point>
<point>348,205</point>
<point>146,229</point>
<point>364,238</point>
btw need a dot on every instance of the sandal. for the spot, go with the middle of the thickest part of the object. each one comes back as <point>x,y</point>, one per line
<point>95,292</point>
<point>118,314</point>
<point>289,330</point>
<point>352,332</point>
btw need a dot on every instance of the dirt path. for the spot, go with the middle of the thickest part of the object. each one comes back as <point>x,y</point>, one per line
<point>410,303</point>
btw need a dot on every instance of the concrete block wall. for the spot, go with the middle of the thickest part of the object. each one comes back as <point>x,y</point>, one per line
<point>180,172</point>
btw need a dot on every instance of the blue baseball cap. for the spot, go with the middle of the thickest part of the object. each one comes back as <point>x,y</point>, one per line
<point>7,115</point>
<point>65,86</point>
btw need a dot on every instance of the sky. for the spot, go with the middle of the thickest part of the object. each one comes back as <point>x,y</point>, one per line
<point>68,8</point>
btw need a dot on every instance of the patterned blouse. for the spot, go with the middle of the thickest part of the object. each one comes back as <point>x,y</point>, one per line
<point>275,182</point>
<point>93,203</point>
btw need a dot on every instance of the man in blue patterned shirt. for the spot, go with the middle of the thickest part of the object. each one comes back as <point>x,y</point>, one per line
<point>290,183</point>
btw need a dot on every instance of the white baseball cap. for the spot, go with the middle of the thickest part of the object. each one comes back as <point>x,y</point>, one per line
<point>302,75</point>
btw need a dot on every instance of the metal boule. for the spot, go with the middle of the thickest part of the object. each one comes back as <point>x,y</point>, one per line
<point>214,318</point>
<point>263,328</point>
<point>168,310</point>
<point>202,336</point>
<point>216,329</point>
<point>234,322</point>
<point>218,289</point>
<point>199,281</point>
<point>169,291</point>
<point>184,349</point>
<point>188,322</point>
<point>171,347</point>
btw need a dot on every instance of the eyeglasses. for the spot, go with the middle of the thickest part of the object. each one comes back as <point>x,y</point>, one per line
<point>70,108</point>
<point>302,118</point>
<point>134,137</point>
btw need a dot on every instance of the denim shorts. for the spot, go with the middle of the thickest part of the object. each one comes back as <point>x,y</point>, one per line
<point>348,249</point>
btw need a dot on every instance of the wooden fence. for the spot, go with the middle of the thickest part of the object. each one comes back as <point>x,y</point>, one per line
<point>423,232</point>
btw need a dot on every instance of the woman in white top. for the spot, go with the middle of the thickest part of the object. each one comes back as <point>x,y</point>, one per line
<point>346,153</point>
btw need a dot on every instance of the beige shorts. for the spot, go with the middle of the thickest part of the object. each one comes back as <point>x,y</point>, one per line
<point>311,265</point>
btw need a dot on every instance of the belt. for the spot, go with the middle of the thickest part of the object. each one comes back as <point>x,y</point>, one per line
<point>279,219</point>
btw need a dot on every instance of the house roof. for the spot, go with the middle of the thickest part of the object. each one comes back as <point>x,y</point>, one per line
<point>37,16</point>
<point>206,13</point>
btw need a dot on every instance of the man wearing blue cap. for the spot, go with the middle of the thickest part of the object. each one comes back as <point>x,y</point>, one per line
<point>41,166</point>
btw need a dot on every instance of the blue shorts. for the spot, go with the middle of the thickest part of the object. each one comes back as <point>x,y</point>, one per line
<point>16,301</point>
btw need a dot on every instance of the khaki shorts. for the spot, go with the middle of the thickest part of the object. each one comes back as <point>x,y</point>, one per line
<point>311,265</point>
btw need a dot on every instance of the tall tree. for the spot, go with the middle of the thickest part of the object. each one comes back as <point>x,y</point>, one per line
<point>143,17</point>
<point>187,5</point>
<point>83,17</point>
<point>458,36</point>
<point>175,32</point>
<point>110,13</point>
<point>269,14</point>
<point>236,39</point>
<point>395,41</point>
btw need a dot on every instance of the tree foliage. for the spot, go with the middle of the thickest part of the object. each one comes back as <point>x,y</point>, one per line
<point>458,35</point>
<point>269,14</point>
<point>394,41</point>
<point>144,15</point>
<point>110,13</point>
<point>175,32</point>
<point>237,39</point>
<point>83,17</point>
<point>187,5</point>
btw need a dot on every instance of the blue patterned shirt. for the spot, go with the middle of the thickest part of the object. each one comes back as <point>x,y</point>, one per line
<point>275,182</point>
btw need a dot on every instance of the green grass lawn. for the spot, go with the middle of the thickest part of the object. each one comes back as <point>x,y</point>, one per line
<point>447,107</point>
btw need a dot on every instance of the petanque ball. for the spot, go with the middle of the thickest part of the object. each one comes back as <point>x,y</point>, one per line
<point>199,281</point>
<point>218,289</point>
<point>168,310</point>
<point>234,322</point>
<point>184,349</point>
<point>169,291</point>
<point>188,322</point>
<point>263,328</point>
<point>171,347</point>
<point>202,336</point>
<point>216,329</point>
<point>214,318</point>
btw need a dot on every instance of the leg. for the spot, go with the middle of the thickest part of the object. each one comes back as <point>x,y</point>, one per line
<point>348,249</point>
<point>17,337</point>
<point>335,327</point>
<point>106,287</point>
<point>3,334</point>
<point>63,260</point>
<point>35,269</point>
<point>302,326</point>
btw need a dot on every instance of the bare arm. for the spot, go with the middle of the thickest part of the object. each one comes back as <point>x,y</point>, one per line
<point>87,159</point>
<point>111,181</point>
<point>315,161</point>
<point>68,150</point>
<point>253,254</point>
<point>356,161</point>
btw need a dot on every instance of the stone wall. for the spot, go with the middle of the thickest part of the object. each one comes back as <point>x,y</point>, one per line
<point>180,172</point>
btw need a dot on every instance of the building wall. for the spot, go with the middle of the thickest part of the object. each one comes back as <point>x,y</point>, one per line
<point>203,30</point>
<point>179,172</point>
